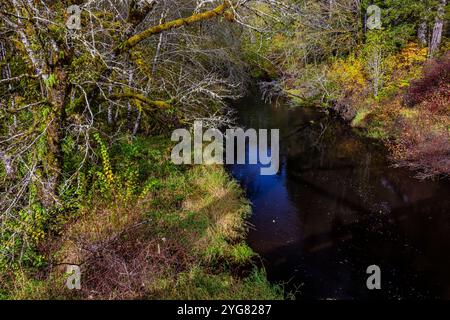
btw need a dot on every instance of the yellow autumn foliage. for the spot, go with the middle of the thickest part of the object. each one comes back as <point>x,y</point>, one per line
<point>348,73</point>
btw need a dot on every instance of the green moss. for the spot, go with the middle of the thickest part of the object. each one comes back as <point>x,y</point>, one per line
<point>358,121</point>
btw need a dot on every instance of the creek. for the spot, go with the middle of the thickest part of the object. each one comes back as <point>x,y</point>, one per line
<point>338,206</point>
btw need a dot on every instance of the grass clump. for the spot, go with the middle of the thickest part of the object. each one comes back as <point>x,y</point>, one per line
<point>196,284</point>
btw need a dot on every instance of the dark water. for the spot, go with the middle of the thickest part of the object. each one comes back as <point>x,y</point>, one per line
<point>337,207</point>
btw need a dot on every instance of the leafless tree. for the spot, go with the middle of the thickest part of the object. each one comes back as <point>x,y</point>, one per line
<point>134,65</point>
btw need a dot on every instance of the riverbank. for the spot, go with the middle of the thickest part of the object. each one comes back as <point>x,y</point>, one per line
<point>404,103</point>
<point>150,230</point>
<point>387,82</point>
<point>412,118</point>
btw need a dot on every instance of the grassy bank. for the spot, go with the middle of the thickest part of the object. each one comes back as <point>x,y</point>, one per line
<point>396,95</point>
<point>410,113</point>
<point>149,230</point>
<point>389,82</point>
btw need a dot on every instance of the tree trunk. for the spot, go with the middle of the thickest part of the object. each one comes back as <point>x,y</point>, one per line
<point>129,106</point>
<point>422,33</point>
<point>58,96</point>
<point>137,123</point>
<point>6,74</point>
<point>437,30</point>
<point>110,107</point>
<point>158,48</point>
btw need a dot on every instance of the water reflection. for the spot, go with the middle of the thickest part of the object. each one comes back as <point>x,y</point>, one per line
<point>336,207</point>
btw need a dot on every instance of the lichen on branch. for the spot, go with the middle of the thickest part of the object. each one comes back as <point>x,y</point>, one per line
<point>136,39</point>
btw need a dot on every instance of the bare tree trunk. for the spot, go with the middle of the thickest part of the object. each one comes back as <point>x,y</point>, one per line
<point>130,107</point>
<point>422,33</point>
<point>436,37</point>
<point>158,48</point>
<point>376,70</point>
<point>7,164</point>
<point>137,123</point>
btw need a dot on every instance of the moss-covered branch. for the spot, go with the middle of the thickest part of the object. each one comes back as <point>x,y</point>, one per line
<point>158,104</point>
<point>136,39</point>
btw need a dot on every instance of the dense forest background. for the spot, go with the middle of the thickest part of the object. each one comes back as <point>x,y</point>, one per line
<point>85,113</point>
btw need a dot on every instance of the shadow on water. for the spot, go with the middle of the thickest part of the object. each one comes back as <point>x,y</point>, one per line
<point>336,207</point>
